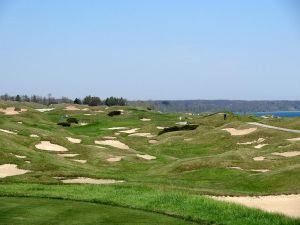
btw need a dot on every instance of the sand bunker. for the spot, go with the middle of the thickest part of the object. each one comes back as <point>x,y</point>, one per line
<point>286,204</point>
<point>287,154</point>
<point>80,160</point>
<point>34,136</point>
<point>74,140</point>
<point>7,131</point>
<point>235,167</point>
<point>259,158</point>
<point>12,111</point>
<point>20,156</point>
<point>294,139</point>
<point>145,119</point>
<point>152,141</point>
<point>68,155</point>
<point>160,128</point>
<point>110,138</point>
<point>86,180</point>
<point>20,122</point>
<point>131,131</point>
<point>117,128</point>
<point>235,132</point>
<point>85,109</point>
<point>148,135</point>
<point>260,146</point>
<point>7,170</point>
<point>48,146</point>
<point>89,114</point>
<point>182,123</point>
<point>261,171</point>
<point>113,143</point>
<point>72,108</point>
<point>114,159</point>
<point>258,141</point>
<point>45,110</point>
<point>147,157</point>
<point>83,124</point>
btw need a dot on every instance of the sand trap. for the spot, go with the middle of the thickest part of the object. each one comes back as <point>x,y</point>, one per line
<point>20,122</point>
<point>188,139</point>
<point>294,139</point>
<point>131,131</point>
<point>74,140</point>
<point>83,124</point>
<point>110,138</point>
<point>148,135</point>
<point>12,111</point>
<point>86,180</point>
<point>80,160</point>
<point>48,146</point>
<point>258,141</point>
<point>261,171</point>
<point>117,128</point>
<point>27,161</point>
<point>71,108</point>
<point>235,132</point>
<point>286,204</point>
<point>147,157</point>
<point>45,110</point>
<point>89,114</point>
<point>114,159</point>
<point>287,154</point>
<point>20,156</point>
<point>113,143</point>
<point>160,128</point>
<point>235,167</point>
<point>68,155</point>
<point>260,146</point>
<point>7,131</point>
<point>152,141</point>
<point>145,119</point>
<point>7,170</point>
<point>85,109</point>
<point>34,136</point>
<point>182,123</point>
<point>259,158</point>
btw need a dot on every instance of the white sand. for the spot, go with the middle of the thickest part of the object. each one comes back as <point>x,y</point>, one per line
<point>68,155</point>
<point>131,131</point>
<point>147,157</point>
<point>34,136</point>
<point>235,132</point>
<point>86,180</point>
<point>182,123</point>
<point>85,109</point>
<point>80,161</point>
<point>89,114</point>
<point>294,139</point>
<point>286,204</point>
<point>110,138</point>
<point>74,140</point>
<point>83,124</point>
<point>8,131</point>
<point>287,154</point>
<point>160,128</point>
<point>45,110</point>
<point>114,159</point>
<point>258,141</point>
<point>7,170</point>
<point>235,167</point>
<point>20,122</point>
<point>188,139</point>
<point>145,119</point>
<point>72,108</point>
<point>152,141</point>
<point>12,111</point>
<point>148,135</point>
<point>20,156</point>
<point>260,146</point>
<point>117,128</point>
<point>113,143</point>
<point>259,158</point>
<point>48,146</point>
<point>262,170</point>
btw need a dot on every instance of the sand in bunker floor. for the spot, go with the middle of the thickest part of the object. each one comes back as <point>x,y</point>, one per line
<point>236,132</point>
<point>48,146</point>
<point>7,170</point>
<point>86,180</point>
<point>285,204</point>
<point>113,143</point>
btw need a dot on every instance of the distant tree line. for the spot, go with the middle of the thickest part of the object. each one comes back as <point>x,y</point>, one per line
<point>88,100</point>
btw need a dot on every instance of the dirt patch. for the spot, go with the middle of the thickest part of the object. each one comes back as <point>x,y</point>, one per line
<point>236,132</point>
<point>45,110</point>
<point>260,146</point>
<point>12,111</point>
<point>80,161</point>
<point>285,204</point>
<point>294,139</point>
<point>86,180</point>
<point>153,141</point>
<point>259,158</point>
<point>7,170</point>
<point>148,135</point>
<point>7,131</point>
<point>72,108</point>
<point>114,159</point>
<point>48,146</point>
<point>258,141</point>
<point>74,140</point>
<point>113,143</point>
<point>145,119</point>
<point>287,154</point>
<point>68,155</point>
<point>131,131</point>
<point>147,157</point>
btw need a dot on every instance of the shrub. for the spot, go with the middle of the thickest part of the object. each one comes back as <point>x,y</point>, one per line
<point>64,124</point>
<point>114,113</point>
<point>178,128</point>
<point>72,120</point>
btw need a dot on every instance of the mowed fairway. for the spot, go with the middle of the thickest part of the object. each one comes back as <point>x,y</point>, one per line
<point>125,165</point>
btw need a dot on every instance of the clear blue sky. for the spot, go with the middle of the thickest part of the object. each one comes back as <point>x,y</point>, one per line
<point>151,49</point>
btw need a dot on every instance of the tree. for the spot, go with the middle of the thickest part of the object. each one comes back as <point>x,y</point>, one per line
<point>77,101</point>
<point>92,101</point>
<point>111,101</point>
<point>18,98</point>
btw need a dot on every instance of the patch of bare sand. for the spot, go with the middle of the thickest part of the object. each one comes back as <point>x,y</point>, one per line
<point>153,141</point>
<point>83,124</point>
<point>34,136</point>
<point>74,140</point>
<point>86,180</point>
<point>20,122</point>
<point>7,131</point>
<point>72,108</point>
<point>45,110</point>
<point>85,109</point>
<point>110,138</point>
<point>113,143</point>
<point>182,123</point>
<point>147,135</point>
<point>294,139</point>
<point>145,119</point>
<point>147,157</point>
<point>285,204</point>
<point>258,141</point>
<point>236,132</point>
<point>7,170</point>
<point>114,159</point>
<point>117,128</point>
<point>188,139</point>
<point>12,111</point>
<point>235,167</point>
<point>260,170</point>
<point>48,146</point>
<point>287,154</point>
<point>20,156</point>
<point>260,146</point>
<point>259,158</point>
<point>160,128</point>
<point>80,161</point>
<point>68,155</point>
<point>131,131</point>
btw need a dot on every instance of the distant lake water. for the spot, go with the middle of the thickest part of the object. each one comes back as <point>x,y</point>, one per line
<point>278,114</point>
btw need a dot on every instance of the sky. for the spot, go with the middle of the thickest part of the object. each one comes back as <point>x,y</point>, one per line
<point>151,49</point>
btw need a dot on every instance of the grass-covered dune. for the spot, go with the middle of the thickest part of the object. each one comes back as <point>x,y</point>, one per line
<point>162,176</point>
